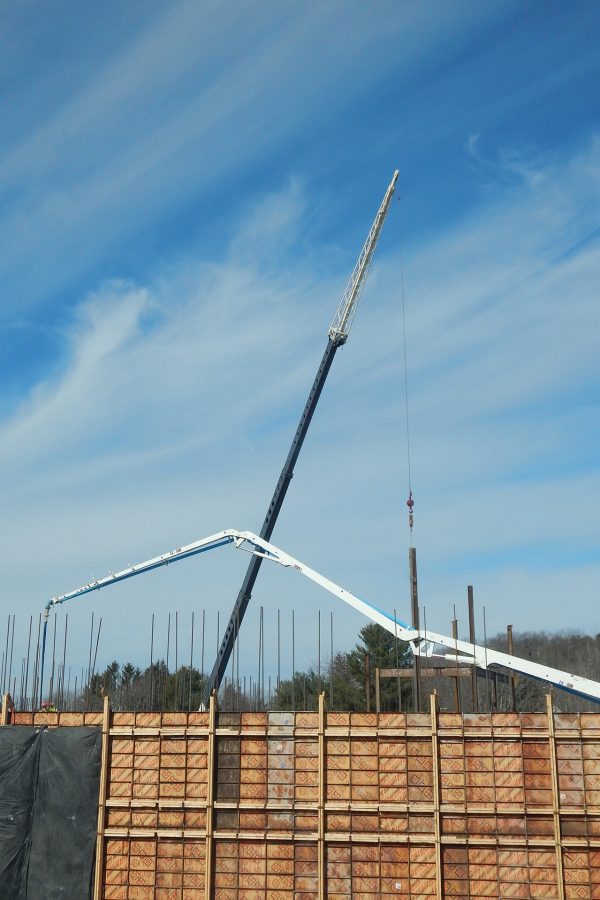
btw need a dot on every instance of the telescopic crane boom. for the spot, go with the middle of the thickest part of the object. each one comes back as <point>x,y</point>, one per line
<point>422,642</point>
<point>338,335</point>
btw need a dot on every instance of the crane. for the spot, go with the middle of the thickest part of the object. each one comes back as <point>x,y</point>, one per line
<point>337,336</point>
<point>423,643</point>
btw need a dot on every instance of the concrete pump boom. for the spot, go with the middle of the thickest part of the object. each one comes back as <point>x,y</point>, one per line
<point>423,643</point>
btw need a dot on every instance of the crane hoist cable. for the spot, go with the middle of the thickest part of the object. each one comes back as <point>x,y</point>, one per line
<point>410,502</point>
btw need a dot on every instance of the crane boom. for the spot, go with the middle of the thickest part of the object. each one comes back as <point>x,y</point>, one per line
<point>342,320</point>
<point>422,642</point>
<point>338,335</point>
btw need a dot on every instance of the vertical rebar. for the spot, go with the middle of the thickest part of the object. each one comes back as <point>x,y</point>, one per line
<point>152,663</point>
<point>26,705</point>
<point>487,674</point>
<point>231,679</point>
<point>191,664</point>
<point>331,661</point>
<point>51,690</point>
<point>319,650</point>
<point>293,663</point>
<point>34,688</point>
<point>12,643</point>
<point>472,641</point>
<point>425,630</point>
<point>202,652</point>
<point>260,640</point>
<point>5,656</point>
<point>398,687</point>
<point>167,663</point>
<point>262,662</point>
<point>414,599</point>
<point>513,680</point>
<point>95,655</point>
<point>457,677</point>
<point>59,675</point>
<point>20,703</point>
<point>237,653</point>
<point>89,658</point>
<point>64,662</point>
<point>278,651</point>
<point>176,660</point>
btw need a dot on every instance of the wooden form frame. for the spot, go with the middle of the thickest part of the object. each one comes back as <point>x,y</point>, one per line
<point>6,710</point>
<point>99,870</point>
<point>444,805</point>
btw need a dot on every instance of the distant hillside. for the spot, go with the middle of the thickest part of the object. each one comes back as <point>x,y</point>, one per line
<point>573,652</point>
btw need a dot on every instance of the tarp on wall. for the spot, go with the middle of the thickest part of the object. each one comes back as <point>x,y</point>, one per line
<point>49,782</point>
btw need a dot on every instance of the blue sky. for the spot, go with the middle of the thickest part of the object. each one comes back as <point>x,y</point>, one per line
<point>185,189</point>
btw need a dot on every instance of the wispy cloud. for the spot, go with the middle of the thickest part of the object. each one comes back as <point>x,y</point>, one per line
<point>177,400</point>
<point>183,113</point>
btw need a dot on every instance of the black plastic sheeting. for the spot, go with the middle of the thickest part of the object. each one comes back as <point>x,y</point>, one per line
<point>49,783</point>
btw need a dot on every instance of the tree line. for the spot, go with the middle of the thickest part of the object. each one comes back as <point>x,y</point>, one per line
<point>349,680</point>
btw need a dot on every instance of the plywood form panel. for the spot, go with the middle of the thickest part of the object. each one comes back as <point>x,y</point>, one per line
<point>281,770</point>
<point>147,868</point>
<point>579,870</point>
<point>591,773</point>
<point>419,754</point>
<point>253,769</point>
<point>495,780</point>
<point>246,870</point>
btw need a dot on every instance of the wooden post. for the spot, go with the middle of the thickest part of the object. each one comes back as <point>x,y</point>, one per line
<point>513,680</point>
<point>414,602</point>
<point>457,676</point>
<point>367,682</point>
<point>5,717</point>
<point>377,689</point>
<point>437,796</point>
<point>472,641</point>
<point>321,862</point>
<point>555,798</point>
<point>99,870</point>
<point>210,795</point>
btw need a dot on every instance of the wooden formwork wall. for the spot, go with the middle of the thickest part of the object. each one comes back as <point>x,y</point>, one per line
<point>275,806</point>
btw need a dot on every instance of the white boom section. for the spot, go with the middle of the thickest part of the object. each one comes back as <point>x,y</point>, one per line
<point>208,543</point>
<point>429,643</point>
<point>423,643</point>
<point>342,320</point>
